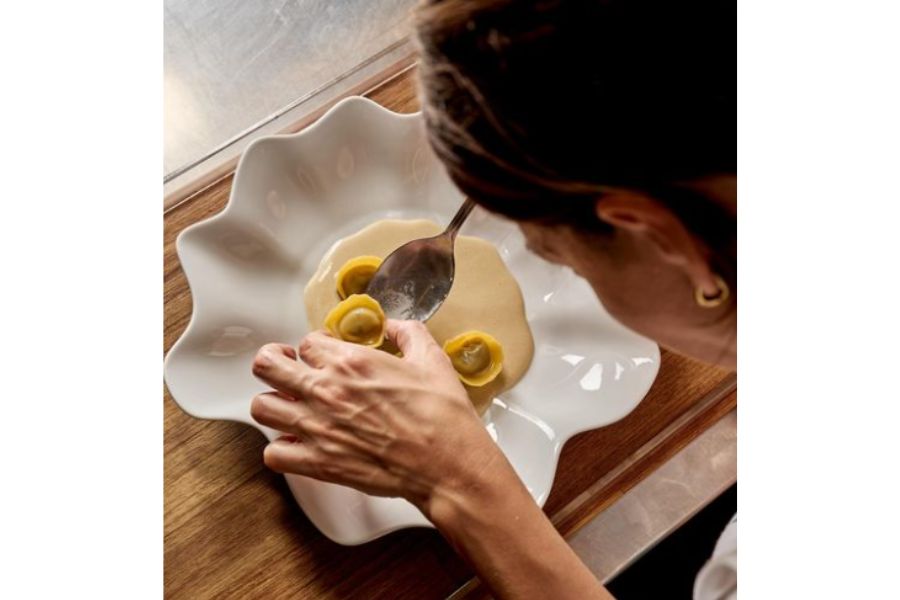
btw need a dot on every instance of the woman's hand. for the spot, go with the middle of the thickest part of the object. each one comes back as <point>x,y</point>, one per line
<point>364,418</point>
<point>404,427</point>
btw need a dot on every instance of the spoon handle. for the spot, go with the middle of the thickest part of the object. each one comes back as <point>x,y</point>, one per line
<point>459,218</point>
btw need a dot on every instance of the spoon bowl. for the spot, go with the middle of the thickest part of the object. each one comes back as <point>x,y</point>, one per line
<point>415,279</point>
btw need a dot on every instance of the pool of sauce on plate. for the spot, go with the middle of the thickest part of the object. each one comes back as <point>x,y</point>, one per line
<point>484,296</point>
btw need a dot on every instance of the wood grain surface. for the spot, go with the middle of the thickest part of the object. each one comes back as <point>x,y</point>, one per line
<point>233,529</point>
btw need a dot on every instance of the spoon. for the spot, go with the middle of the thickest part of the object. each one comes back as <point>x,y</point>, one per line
<point>415,279</point>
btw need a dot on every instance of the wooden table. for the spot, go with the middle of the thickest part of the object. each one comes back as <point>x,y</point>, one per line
<point>233,529</point>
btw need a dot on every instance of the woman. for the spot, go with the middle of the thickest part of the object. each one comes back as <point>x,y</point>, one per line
<point>607,131</point>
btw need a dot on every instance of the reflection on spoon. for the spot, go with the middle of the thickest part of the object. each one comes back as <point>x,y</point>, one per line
<point>415,279</point>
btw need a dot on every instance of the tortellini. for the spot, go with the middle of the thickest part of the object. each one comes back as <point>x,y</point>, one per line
<point>354,276</point>
<point>476,356</point>
<point>358,319</point>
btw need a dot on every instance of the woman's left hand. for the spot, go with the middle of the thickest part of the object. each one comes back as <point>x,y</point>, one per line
<point>385,425</point>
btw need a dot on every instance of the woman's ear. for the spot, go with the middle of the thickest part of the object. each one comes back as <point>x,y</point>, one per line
<point>644,216</point>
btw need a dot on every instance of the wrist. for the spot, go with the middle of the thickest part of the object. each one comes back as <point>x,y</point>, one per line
<point>460,502</point>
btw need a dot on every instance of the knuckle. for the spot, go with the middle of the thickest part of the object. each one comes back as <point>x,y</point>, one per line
<point>354,361</point>
<point>337,395</point>
<point>314,387</point>
<point>298,423</point>
<point>305,346</point>
<point>330,447</point>
<point>312,429</point>
<point>325,391</point>
<point>414,329</point>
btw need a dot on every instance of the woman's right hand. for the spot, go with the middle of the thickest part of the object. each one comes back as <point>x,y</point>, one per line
<point>385,425</point>
<point>405,427</point>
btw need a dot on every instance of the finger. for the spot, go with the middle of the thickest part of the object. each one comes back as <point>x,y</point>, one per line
<point>318,347</point>
<point>283,348</point>
<point>276,365</point>
<point>412,337</point>
<point>287,455</point>
<point>281,412</point>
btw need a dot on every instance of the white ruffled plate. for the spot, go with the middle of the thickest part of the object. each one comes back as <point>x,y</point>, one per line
<point>293,197</point>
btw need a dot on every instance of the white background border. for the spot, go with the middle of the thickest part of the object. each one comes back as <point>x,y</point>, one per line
<point>82,299</point>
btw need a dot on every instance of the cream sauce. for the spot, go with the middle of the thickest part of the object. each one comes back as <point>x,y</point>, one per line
<point>485,296</point>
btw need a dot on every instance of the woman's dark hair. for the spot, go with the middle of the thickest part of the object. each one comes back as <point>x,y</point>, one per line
<point>535,107</point>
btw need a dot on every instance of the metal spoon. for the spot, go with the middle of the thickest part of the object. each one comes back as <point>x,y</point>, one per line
<point>415,279</point>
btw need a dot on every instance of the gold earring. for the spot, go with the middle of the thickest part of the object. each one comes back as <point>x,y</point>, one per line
<point>713,301</point>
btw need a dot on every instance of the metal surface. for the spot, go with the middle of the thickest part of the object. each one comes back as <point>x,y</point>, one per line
<point>415,279</point>
<point>661,503</point>
<point>235,69</point>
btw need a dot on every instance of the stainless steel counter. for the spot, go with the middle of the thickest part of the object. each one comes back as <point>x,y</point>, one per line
<point>233,68</point>
<point>661,503</point>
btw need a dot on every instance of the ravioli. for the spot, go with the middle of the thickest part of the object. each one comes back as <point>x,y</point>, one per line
<point>484,298</point>
<point>476,356</point>
<point>355,275</point>
<point>358,319</point>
